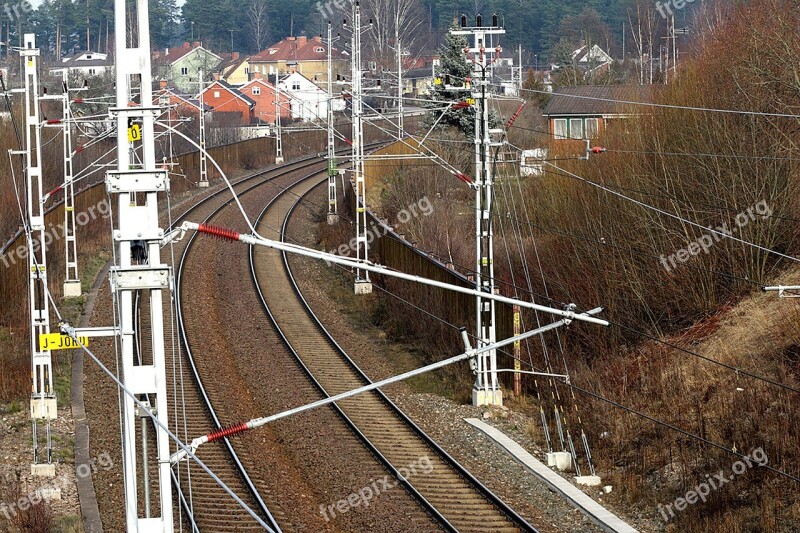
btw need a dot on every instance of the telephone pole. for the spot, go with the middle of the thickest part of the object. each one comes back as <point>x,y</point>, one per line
<point>487,387</point>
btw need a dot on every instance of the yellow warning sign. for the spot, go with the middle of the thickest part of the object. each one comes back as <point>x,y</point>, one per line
<point>57,341</point>
<point>135,133</point>
<point>470,101</point>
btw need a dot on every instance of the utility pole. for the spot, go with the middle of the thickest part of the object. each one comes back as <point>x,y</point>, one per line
<point>278,132</point>
<point>399,77</point>
<point>363,285</point>
<point>487,387</point>
<point>72,283</point>
<point>43,406</point>
<point>203,183</point>
<point>137,182</point>
<point>333,171</point>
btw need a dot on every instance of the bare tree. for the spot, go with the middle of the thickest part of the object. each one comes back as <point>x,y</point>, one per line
<point>257,21</point>
<point>393,20</point>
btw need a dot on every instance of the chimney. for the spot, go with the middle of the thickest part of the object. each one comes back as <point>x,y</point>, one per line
<point>162,84</point>
<point>166,51</point>
<point>235,55</point>
<point>187,45</point>
<point>215,76</point>
<point>302,39</point>
<point>256,75</point>
<point>196,44</point>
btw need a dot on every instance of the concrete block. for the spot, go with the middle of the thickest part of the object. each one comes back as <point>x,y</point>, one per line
<point>44,408</point>
<point>50,493</point>
<point>279,160</point>
<point>202,184</point>
<point>43,470</point>
<point>72,289</point>
<point>363,287</point>
<point>480,397</point>
<point>562,461</point>
<point>589,481</point>
<point>333,218</point>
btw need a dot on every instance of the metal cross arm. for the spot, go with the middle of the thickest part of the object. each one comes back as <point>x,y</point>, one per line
<point>470,353</point>
<point>256,240</point>
<point>794,290</point>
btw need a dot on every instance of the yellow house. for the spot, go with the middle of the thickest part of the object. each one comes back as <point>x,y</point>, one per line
<point>234,69</point>
<point>300,54</point>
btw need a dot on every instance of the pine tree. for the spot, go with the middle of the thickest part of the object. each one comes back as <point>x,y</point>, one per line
<point>453,70</point>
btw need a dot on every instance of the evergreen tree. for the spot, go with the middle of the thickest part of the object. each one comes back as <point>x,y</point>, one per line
<point>453,70</point>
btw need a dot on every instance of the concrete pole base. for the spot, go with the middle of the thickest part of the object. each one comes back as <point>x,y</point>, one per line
<point>589,481</point>
<point>202,184</point>
<point>562,461</point>
<point>333,218</point>
<point>363,287</point>
<point>72,288</point>
<point>279,160</point>
<point>481,397</point>
<point>43,470</point>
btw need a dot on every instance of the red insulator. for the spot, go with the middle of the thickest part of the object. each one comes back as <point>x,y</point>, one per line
<point>79,148</point>
<point>77,101</point>
<point>54,121</point>
<point>227,432</point>
<point>598,150</point>
<point>463,177</point>
<point>222,233</point>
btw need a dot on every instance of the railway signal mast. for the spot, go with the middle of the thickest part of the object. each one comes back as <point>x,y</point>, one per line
<point>487,387</point>
<point>203,183</point>
<point>137,183</point>
<point>363,285</point>
<point>333,170</point>
<point>43,405</point>
<point>72,283</point>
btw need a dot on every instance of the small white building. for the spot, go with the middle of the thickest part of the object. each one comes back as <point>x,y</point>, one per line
<point>532,162</point>
<point>309,102</point>
<point>87,64</point>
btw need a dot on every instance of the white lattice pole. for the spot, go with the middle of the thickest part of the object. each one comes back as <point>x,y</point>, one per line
<point>43,398</point>
<point>362,284</point>
<point>137,183</point>
<point>487,388</point>
<point>72,283</point>
<point>333,170</point>
<point>202,120</point>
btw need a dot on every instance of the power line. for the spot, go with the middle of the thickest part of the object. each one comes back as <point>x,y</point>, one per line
<point>671,215</point>
<point>677,429</point>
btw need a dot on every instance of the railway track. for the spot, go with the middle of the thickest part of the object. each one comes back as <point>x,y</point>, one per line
<point>204,501</point>
<point>220,377</point>
<point>453,496</point>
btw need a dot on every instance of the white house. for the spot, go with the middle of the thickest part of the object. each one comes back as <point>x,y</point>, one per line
<point>591,58</point>
<point>309,102</point>
<point>88,64</point>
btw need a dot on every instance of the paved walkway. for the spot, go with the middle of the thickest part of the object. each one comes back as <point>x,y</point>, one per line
<point>596,512</point>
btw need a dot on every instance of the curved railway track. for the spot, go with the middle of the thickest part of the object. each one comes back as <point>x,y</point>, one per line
<point>449,492</point>
<point>210,507</point>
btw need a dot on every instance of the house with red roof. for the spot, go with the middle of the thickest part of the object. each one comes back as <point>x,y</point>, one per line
<point>228,104</point>
<point>308,56</point>
<point>264,94</point>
